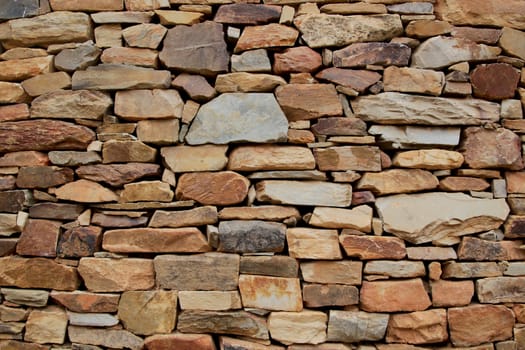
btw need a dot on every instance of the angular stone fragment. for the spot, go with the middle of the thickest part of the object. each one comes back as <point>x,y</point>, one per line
<point>15,201</point>
<point>358,158</point>
<point>269,157</point>
<point>24,158</point>
<point>8,224</point>
<point>306,243</point>
<point>398,181</point>
<point>159,132</point>
<point>452,215</point>
<point>130,55</point>
<point>321,30</point>
<point>185,218</point>
<point>395,269</point>
<point>116,275</point>
<point>85,191</point>
<point>209,300</point>
<point>497,290</point>
<point>511,42</point>
<point>77,58</point>
<point>29,297</point>
<point>149,240</point>
<point>488,36</point>
<point>454,50</point>
<point>216,124</point>
<point>52,28</point>
<point>71,104</point>
<point>356,326</point>
<point>247,14</point>
<point>83,302</point>
<point>423,81</point>
<point>17,70</point>
<point>367,248</point>
<point>46,326</point>
<point>111,338</point>
<point>482,13</point>
<point>37,273</point>
<point>247,82</point>
<point>394,296</point>
<point>145,35</point>
<point>489,148</point>
<point>45,83</point>
<point>148,104</point>
<point>472,248</point>
<point>463,183</point>
<point>313,193</point>
<point>420,327</point>
<point>221,188</point>
<point>362,54</point>
<point>477,324</point>
<point>431,159</point>
<point>277,265</point>
<point>147,191</point>
<point>337,272</point>
<point>271,293</point>
<point>195,158</point>
<point>427,28</point>
<point>180,341</point>
<point>471,269</point>
<point>117,174</point>
<point>168,17</point>
<point>131,17</point>
<point>254,61</point>
<point>43,176</point>
<point>495,81</point>
<point>8,246</point>
<point>264,36</point>
<point>308,101</point>
<point>88,6</point>
<point>319,295</point>
<point>359,80</point>
<point>305,327</point>
<point>43,135</point>
<point>148,312</point>
<point>196,86</point>
<point>199,48</point>
<point>300,59</point>
<point>39,238</point>
<point>398,108</point>
<point>358,218</point>
<point>74,158</point>
<point>13,314</point>
<point>410,137</point>
<point>120,77</point>
<point>452,293</point>
<point>209,271</point>
<point>339,126</point>
<point>108,35</point>
<point>115,151</point>
<point>223,322</point>
<point>15,112</point>
<point>25,8</point>
<point>254,236</point>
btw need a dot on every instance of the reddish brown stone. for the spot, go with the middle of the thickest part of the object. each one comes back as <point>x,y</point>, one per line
<point>370,247</point>
<point>86,302</point>
<point>451,293</point>
<point>487,36</point>
<point>43,135</point>
<point>39,238</point>
<point>358,158</point>
<point>463,183</point>
<point>7,182</point>
<point>196,86</point>
<point>57,211</point>
<point>519,311</point>
<point>489,148</point>
<point>43,176</point>
<point>24,158</point>
<point>359,80</point>
<point>319,295</point>
<point>420,327</point>
<point>472,248</point>
<point>270,35</point>
<point>495,81</point>
<point>14,112</point>
<point>117,174</point>
<point>8,246</point>
<point>79,242</point>
<point>247,14</point>
<point>221,188</point>
<point>478,324</point>
<point>515,226</point>
<point>180,341</point>
<point>300,59</point>
<point>308,101</point>
<point>14,201</point>
<point>37,273</point>
<point>339,126</point>
<point>122,221</point>
<point>362,54</point>
<point>394,296</point>
<point>116,151</point>
<point>515,181</point>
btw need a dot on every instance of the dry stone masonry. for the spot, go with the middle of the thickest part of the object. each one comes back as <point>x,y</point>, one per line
<point>262,174</point>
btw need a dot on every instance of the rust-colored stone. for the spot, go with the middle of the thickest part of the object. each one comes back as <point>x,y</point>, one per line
<point>420,327</point>
<point>15,112</point>
<point>451,293</point>
<point>308,101</point>
<point>394,296</point>
<point>495,81</point>
<point>300,59</point>
<point>80,301</point>
<point>247,14</point>
<point>180,341</point>
<point>359,80</point>
<point>79,242</point>
<point>43,176</point>
<point>463,183</point>
<point>39,238</point>
<point>271,293</point>
<point>370,247</point>
<point>269,35</point>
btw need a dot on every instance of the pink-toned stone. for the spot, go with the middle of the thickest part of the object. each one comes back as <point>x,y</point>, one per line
<point>495,81</point>
<point>300,59</point>
<point>394,296</point>
<point>308,101</point>
<point>271,293</point>
<point>357,158</point>
<point>24,158</point>
<point>247,14</point>
<point>180,341</point>
<point>370,247</point>
<point>196,86</point>
<point>332,272</point>
<point>130,55</point>
<point>420,327</point>
<point>515,182</point>
<point>14,112</point>
<point>264,36</point>
<point>362,54</point>
<point>39,238</point>
<point>359,80</point>
<point>451,293</point>
<point>117,174</point>
<point>80,301</point>
<point>85,191</point>
<point>489,36</point>
<point>220,188</point>
<point>18,70</point>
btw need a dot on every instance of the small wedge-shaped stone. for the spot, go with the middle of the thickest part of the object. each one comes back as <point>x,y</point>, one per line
<point>111,338</point>
<point>217,188</point>
<point>86,302</point>
<point>357,158</point>
<point>358,218</point>
<point>394,296</point>
<point>155,240</point>
<point>270,157</point>
<point>18,70</point>
<point>370,247</point>
<point>247,14</point>
<point>199,49</point>
<point>427,217</point>
<point>247,82</point>
<point>148,104</point>
<point>398,181</point>
<point>117,174</point>
<point>209,271</point>
<point>265,36</point>
<point>87,6</point>
<point>53,28</point>
<point>223,322</point>
<point>497,290</point>
<point>420,327</point>
<point>251,236</point>
<point>356,326</point>
<point>316,193</point>
<point>451,51</point>
<point>414,137</point>
<point>271,293</point>
<point>308,101</point>
<point>115,151</point>
<point>120,77</point>
<point>431,159</point>
<point>85,191</point>
<point>43,135</point>
<point>145,35</point>
<point>37,273</point>
<point>308,243</point>
<point>185,218</point>
<point>215,123</point>
<point>362,54</point>
<point>398,108</point>
<point>422,81</point>
<point>65,104</point>
<point>181,158</point>
<point>305,327</point>
<point>116,275</point>
<point>322,30</point>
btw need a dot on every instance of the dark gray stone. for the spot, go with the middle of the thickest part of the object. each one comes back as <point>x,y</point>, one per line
<point>252,236</point>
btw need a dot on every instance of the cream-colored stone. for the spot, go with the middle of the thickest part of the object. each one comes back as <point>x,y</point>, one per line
<point>85,191</point>
<point>358,218</point>
<point>271,293</point>
<point>247,82</point>
<point>307,243</point>
<point>305,327</point>
<point>270,157</point>
<point>430,159</point>
<point>210,300</point>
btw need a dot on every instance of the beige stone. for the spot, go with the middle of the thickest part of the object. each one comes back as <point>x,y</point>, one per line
<point>226,342</point>
<point>358,218</point>
<point>89,5</point>
<point>195,158</point>
<point>114,151</point>
<point>305,327</point>
<point>264,36</point>
<point>394,296</point>
<point>495,290</point>
<point>18,53</point>
<point>420,327</point>
<point>247,82</point>
<point>147,191</point>
<point>46,326</point>
<point>159,132</point>
<point>145,5</point>
<point>12,93</point>
<point>48,82</point>
<point>423,81</point>
<point>471,269</point>
<point>85,191</point>
<point>424,28</point>
<point>270,157</point>
<point>146,35</point>
<point>116,275</point>
<point>337,272</point>
<point>398,181</point>
<point>86,302</point>
<point>308,101</point>
<point>511,41</point>
<point>472,248</point>
<point>271,293</point>
<point>353,8</point>
<point>130,55</point>
<point>430,159</point>
<point>370,247</point>
<point>122,17</point>
<point>357,158</point>
<point>210,300</point>
<point>431,253</point>
<point>307,243</point>
<point>395,269</point>
<point>463,183</point>
<point>264,212</point>
<point>147,104</point>
<point>111,338</point>
<point>71,104</point>
<point>108,35</point>
<point>18,70</point>
<point>206,215</point>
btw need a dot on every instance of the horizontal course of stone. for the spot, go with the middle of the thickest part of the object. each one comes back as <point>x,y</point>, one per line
<point>262,174</point>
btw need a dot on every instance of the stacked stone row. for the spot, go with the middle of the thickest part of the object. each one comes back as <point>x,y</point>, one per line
<point>179,174</point>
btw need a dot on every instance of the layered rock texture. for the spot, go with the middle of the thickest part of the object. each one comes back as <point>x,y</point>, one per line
<point>262,175</point>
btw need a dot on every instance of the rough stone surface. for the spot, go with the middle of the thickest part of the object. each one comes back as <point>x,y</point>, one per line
<point>117,174</point>
<point>297,60</point>
<point>87,302</point>
<point>81,57</point>
<point>413,80</point>
<point>271,293</point>
<point>394,296</point>
<point>452,293</point>
<point>43,176</point>
<point>358,218</point>
<point>356,326</point>
<point>39,238</point>
<point>115,151</point>
<point>266,36</point>
<point>398,181</point>
<point>357,158</point>
<point>431,159</point>
<point>243,236</point>
<point>247,82</point>
<point>46,326</point>
<point>420,327</point>
<point>339,272</point>
<point>247,14</point>
<point>185,218</point>
<point>339,126</point>
<point>308,101</point>
<point>220,188</point>
<point>111,338</point>
<point>85,191</point>
<point>510,41</point>
<point>368,248</point>
<point>269,157</point>
<point>180,341</point>
<point>319,295</point>
<point>148,104</point>
<point>495,290</point>
<point>359,80</point>
<point>395,269</point>
<point>305,327</point>
<point>277,266</point>
<point>307,243</point>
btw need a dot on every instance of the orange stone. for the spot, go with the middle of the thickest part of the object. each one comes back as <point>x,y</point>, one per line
<point>451,293</point>
<point>394,296</point>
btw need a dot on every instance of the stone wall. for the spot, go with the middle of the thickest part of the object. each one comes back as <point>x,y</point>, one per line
<point>200,174</point>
